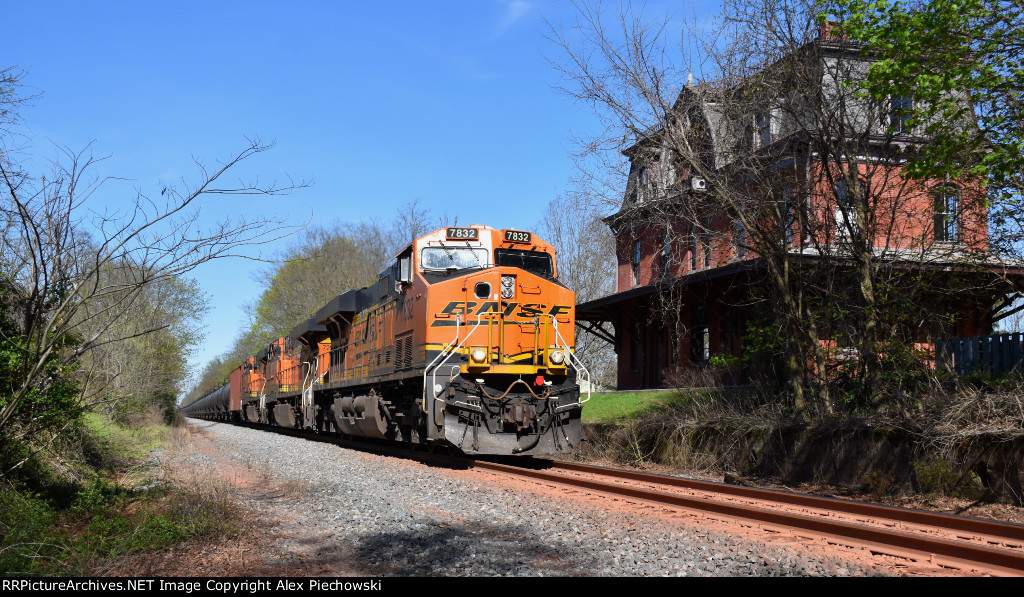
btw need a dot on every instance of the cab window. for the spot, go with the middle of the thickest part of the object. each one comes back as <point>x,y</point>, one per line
<point>445,258</point>
<point>531,261</point>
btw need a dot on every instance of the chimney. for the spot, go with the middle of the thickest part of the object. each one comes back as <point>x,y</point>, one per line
<point>831,30</point>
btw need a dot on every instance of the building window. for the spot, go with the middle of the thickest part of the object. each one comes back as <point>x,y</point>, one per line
<point>693,251</point>
<point>645,184</point>
<point>739,239</point>
<point>763,124</point>
<point>730,336</point>
<point>705,243</point>
<point>900,109</point>
<point>666,255</point>
<point>700,336</point>
<point>636,262</point>
<point>846,210</point>
<point>947,214</point>
<point>787,216</point>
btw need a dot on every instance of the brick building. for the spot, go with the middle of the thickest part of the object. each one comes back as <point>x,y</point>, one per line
<point>694,264</point>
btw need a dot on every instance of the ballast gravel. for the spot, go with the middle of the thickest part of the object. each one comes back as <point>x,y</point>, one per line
<point>384,516</point>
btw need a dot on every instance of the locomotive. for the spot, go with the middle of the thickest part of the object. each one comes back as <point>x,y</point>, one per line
<point>465,343</point>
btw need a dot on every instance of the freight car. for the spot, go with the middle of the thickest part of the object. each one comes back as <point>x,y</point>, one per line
<point>465,343</point>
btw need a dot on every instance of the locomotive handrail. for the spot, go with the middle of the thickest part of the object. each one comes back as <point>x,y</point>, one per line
<point>447,355</point>
<point>309,371</point>
<point>263,397</point>
<point>313,367</point>
<point>322,375</point>
<point>571,356</point>
<point>458,320</point>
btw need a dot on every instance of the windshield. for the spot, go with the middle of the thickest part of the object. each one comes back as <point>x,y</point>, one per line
<point>531,261</point>
<point>444,258</point>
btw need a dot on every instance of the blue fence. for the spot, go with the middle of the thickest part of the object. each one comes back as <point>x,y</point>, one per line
<point>998,354</point>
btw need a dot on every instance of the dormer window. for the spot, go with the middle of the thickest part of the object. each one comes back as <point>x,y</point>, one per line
<point>900,110</point>
<point>645,185</point>
<point>763,123</point>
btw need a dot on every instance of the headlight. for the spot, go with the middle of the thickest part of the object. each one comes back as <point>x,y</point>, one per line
<point>508,287</point>
<point>557,356</point>
<point>478,355</point>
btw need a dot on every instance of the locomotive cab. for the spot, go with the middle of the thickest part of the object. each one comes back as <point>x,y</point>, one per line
<point>499,376</point>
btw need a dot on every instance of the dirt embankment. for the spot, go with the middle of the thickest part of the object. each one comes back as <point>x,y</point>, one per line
<point>880,463</point>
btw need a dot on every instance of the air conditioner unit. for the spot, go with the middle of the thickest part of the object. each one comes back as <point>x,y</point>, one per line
<point>698,184</point>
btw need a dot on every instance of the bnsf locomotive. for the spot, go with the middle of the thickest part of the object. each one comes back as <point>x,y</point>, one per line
<point>465,343</point>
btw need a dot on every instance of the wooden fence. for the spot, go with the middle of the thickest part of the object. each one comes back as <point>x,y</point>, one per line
<point>997,354</point>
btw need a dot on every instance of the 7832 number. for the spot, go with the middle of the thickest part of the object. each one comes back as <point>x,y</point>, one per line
<point>515,236</point>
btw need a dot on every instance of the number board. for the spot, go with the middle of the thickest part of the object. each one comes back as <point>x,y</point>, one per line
<point>515,236</point>
<point>462,234</point>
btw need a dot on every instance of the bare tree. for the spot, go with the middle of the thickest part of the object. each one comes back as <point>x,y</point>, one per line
<point>323,262</point>
<point>799,174</point>
<point>79,274</point>
<point>585,252</point>
<point>141,368</point>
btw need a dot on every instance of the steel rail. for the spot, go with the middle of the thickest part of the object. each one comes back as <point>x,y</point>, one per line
<point>916,547</point>
<point>942,552</point>
<point>1003,531</point>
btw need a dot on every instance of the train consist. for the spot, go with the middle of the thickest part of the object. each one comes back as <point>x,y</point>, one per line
<point>464,343</point>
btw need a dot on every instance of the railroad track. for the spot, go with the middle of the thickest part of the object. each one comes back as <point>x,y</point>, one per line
<point>964,543</point>
<point>958,542</point>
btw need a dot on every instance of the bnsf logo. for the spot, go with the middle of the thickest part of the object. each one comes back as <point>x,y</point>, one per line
<point>525,310</point>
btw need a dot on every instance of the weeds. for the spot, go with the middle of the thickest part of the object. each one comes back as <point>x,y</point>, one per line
<point>964,439</point>
<point>89,525</point>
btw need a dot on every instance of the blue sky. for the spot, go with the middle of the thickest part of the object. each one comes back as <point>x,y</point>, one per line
<point>451,103</point>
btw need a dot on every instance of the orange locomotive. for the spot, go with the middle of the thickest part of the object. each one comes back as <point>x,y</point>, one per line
<point>465,342</point>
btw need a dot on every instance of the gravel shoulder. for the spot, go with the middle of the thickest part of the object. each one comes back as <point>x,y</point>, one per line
<point>317,509</point>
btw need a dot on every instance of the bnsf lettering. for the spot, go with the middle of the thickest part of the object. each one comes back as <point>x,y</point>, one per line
<point>457,307</point>
<point>527,310</point>
<point>488,307</point>
<point>531,310</point>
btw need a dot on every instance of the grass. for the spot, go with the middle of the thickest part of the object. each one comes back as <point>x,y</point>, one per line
<point>130,442</point>
<point>109,516</point>
<point>610,407</point>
